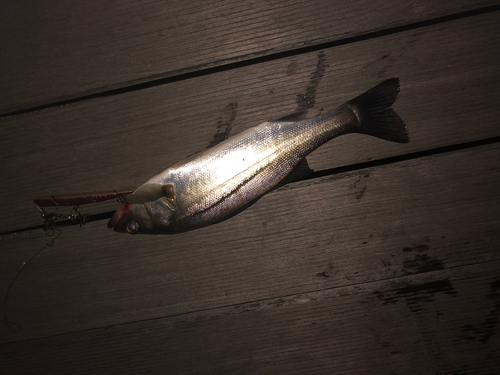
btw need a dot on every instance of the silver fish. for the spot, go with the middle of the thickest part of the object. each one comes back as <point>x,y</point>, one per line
<point>213,185</point>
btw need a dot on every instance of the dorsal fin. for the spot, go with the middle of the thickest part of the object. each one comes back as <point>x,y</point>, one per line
<point>296,115</point>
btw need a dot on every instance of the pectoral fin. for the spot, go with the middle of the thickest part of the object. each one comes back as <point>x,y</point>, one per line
<point>300,171</point>
<point>169,196</point>
<point>152,192</point>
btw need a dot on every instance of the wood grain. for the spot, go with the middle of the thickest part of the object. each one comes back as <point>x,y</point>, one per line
<point>389,268</point>
<point>420,324</point>
<point>66,50</point>
<point>405,218</point>
<point>449,74</point>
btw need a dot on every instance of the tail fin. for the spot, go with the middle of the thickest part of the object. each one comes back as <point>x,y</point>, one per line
<point>375,115</point>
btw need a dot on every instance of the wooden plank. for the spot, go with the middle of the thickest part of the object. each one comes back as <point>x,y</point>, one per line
<point>410,217</point>
<point>450,76</point>
<point>443,322</point>
<point>65,50</point>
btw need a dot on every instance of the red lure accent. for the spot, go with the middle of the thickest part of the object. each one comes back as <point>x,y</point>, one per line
<point>119,215</point>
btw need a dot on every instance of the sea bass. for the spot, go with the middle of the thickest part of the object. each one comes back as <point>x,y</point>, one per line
<point>213,185</point>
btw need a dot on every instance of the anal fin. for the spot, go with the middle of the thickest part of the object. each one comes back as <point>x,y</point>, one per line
<point>300,171</point>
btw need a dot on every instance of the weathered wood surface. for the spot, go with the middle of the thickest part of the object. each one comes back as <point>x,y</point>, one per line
<point>421,324</point>
<point>68,49</point>
<point>449,96</point>
<point>379,223</point>
<point>389,268</point>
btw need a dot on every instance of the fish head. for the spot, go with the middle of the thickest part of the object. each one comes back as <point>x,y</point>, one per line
<point>150,209</point>
<point>131,218</point>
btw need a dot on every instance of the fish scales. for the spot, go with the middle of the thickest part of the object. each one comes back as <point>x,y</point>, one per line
<point>238,170</point>
<point>215,184</point>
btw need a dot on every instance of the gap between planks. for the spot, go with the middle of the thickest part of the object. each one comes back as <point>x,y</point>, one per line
<point>297,271</point>
<point>461,272</point>
<point>418,317</point>
<point>109,142</point>
<point>102,216</point>
<point>243,61</point>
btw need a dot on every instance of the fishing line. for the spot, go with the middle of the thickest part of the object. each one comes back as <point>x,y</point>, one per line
<point>14,327</point>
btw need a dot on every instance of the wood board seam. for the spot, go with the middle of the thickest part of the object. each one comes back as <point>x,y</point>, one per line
<point>315,175</point>
<point>270,299</point>
<point>239,62</point>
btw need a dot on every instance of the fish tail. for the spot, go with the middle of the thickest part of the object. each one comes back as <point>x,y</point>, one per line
<point>375,115</point>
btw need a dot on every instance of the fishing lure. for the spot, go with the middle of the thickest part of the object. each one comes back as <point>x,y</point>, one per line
<point>50,218</point>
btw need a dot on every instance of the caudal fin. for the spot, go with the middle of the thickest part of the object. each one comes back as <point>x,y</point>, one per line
<point>376,116</point>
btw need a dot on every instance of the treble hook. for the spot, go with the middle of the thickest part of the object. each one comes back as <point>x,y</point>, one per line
<point>120,197</point>
<point>77,217</point>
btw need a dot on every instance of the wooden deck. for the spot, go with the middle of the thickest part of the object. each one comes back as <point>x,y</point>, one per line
<point>387,261</point>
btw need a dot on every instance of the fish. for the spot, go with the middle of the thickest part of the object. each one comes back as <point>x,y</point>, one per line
<point>214,185</point>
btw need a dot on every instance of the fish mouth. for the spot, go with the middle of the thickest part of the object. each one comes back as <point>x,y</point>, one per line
<point>119,217</point>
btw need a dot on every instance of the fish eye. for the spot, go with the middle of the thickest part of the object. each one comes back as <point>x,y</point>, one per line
<point>132,227</point>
